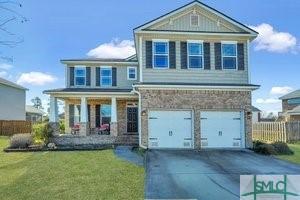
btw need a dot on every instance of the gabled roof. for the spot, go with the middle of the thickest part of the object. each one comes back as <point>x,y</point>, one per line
<point>11,84</point>
<point>294,94</point>
<point>254,109</point>
<point>206,7</point>
<point>32,109</point>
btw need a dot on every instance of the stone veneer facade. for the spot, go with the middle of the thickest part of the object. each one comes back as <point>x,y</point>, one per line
<point>197,101</point>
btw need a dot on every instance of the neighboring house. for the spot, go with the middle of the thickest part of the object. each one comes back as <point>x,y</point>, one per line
<point>188,86</point>
<point>291,106</point>
<point>256,115</point>
<point>12,101</point>
<point>33,114</point>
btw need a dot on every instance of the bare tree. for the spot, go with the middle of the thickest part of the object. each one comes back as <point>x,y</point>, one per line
<point>9,14</point>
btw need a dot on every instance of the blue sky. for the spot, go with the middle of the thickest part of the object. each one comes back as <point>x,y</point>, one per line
<point>70,29</point>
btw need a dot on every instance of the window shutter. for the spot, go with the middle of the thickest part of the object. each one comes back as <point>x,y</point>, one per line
<point>241,57</point>
<point>97,122</point>
<point>88,76</point>
<point>71,115</point>
<point>172,55</point>
<point>71,76</point>
<point>97,76</point>
<point>218,56</point>
<point>149,63</point>
<point>114,76</point>
<point>206,49</point>
<point>89,112</point>
<point>183,55</point>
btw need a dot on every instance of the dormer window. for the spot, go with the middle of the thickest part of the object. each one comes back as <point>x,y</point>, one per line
<point>194,20</point>
<point>80,75</point>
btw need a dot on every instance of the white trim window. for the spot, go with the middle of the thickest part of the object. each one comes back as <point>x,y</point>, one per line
<point>131,73</point>
<point>80,76</point>
<point>195,54</point>
<point>229,55</point>
<point>160,54</point>
<point>105,76</point>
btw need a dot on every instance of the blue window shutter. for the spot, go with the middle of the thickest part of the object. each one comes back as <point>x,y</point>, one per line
<point>98,76</point>
<point>149,63</point>
<point>88,76</point>
<point>241,57</point>
<point>172,55</point>
<point>206,49</point>
<point>114,76</point>
<point>183,54</point>
<point>218,56</point>
<point>71,70</point>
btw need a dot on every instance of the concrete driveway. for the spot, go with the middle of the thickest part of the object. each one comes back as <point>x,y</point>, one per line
<point>206,174</point>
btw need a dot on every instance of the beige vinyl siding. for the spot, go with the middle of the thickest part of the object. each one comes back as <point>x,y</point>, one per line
<point>194,75</point>
<point>207,22</point>
<point>122,81</point>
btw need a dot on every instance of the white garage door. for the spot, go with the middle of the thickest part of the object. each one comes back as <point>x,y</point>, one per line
<point>221,129</point>
<point>170,129</point>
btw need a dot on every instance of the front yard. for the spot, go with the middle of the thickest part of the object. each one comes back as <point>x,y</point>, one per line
<point>68,175</point>
<point>293,158</point>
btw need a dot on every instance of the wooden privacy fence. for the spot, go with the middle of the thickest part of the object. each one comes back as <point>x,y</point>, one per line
<point>276,131</point>
<point>8,128</point>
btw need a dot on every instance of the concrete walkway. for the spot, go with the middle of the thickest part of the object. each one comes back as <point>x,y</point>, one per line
<point>127,153</point>
<point>205,174</point>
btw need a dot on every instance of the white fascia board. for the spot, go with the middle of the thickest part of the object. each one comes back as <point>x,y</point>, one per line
<point>93,95</point>
<point>196,33</point>
<point>193,87</point>
<point>98,62</point>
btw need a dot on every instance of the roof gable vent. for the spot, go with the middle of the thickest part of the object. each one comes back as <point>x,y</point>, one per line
<point>194,20</point>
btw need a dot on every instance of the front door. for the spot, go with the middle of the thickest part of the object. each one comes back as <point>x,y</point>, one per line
<point>132,119</point>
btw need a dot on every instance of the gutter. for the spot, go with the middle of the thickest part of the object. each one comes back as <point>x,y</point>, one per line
<point>140,117</point>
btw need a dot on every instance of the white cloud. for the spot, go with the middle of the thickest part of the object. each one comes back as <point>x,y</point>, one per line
<point>5,66</point>
<point>267,101</point>
<point>114,49</point>
<point>36,78</point>
<point>3,74</point>
<point>281,90</point>
<point>274,41</point>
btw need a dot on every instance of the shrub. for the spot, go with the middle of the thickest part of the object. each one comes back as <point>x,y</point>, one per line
<point>42,132</point>
<point>266,149</point>
<point>62,126</point>
<point>282,148</point>
<point>21,141</point>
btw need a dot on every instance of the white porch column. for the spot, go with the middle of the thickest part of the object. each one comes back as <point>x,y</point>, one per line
<point>53,109</point>
<point>83,110</point>
<point>113,120</point>
<point>113,109</point>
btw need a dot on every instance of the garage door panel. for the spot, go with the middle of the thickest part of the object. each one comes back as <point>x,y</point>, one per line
<point>170,129</point>
<point>220,129</point>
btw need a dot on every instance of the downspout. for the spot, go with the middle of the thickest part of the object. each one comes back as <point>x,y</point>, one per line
<point>140,117</point>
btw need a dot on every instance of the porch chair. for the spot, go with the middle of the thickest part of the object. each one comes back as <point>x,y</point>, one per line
<point>104,129</point>
<point>75,129</point>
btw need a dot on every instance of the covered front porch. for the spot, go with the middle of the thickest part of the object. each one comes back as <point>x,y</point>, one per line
<point>87,115</point>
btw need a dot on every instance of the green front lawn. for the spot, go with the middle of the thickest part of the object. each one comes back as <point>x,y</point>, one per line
<point>68,175</point>
<point>293,158</point>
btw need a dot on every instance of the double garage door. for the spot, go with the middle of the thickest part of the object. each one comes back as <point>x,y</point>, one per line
<point>174,129</point>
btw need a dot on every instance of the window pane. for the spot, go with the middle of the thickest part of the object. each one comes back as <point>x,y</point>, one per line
<point>161,61</point>
<point>229,63</point>
<point>195,48</point>
<point>105,110</point>
<point>294,101</point>
<point>229,49</point>
<point>80,80</point>
<point>131,71</point>
<point>132,76</point>
<point>106,81</point>
<point>105,72</point>
<point>80,72</point>
<point>160,47</point>
<point>195,61</point>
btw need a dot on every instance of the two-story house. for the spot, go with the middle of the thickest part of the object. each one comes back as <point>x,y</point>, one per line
<point>188,86</point>
<point>291,106</point>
